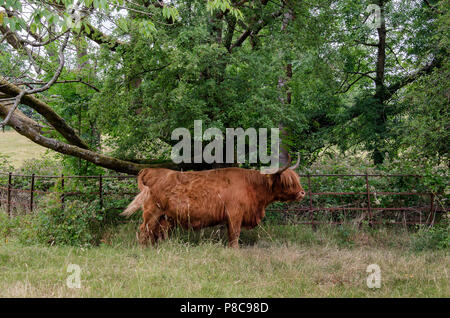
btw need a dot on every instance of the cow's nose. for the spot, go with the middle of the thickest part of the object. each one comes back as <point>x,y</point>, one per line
<point>302,194</point>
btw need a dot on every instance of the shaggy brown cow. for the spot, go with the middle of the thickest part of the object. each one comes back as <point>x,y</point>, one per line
<point>196,199</point>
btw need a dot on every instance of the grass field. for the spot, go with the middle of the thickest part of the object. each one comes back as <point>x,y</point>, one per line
<point>274,261</point>
<point>18,148</point>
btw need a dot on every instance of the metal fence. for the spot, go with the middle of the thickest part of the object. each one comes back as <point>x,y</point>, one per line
<point>425,213</point>
<point>19,192</point>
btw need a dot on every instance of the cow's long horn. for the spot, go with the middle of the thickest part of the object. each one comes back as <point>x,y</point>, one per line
<point>298,162</point>
<point>286,166</point>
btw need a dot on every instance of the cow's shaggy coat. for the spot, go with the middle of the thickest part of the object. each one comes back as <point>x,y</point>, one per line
<point>233,196</point>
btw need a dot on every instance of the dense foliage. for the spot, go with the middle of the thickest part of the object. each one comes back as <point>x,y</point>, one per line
<point>139,69</point>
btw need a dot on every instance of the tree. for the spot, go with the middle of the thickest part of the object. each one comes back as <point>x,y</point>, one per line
<point>315,68</point>
<point>52,24</point>
<point>403,50</point>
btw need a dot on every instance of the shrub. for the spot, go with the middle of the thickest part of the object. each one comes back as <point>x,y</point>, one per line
<point>5,164</point>
<point>7,225</point>
<point>46,165</point>
<point>435,237</point>
<point>78,224</point>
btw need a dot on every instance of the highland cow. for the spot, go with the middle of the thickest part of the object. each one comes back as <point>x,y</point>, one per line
<point>196,199</point>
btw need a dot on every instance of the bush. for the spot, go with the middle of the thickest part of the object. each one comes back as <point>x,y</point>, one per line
<point>436,237</point>
<point>46,165</point>
<point>79,224</point>
<point>5,164</point>
<point>7,225</point>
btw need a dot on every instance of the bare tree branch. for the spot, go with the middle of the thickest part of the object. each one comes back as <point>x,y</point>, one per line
<point>4,102</point>
<point>61,82</point>
<point>31,133</point>
<point>395,55</point>
<point>60,125</point>
<point>427,69</point>
<point>36,44</point>
<point>101,38</point>
<point>40,89</point>
<point>254,29</point>
<point>353,83</point>
<point>366,74</point>
<point>367,44</point>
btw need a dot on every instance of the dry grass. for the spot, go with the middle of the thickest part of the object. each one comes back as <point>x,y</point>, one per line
<point>264,267</point>
<point>18,148</point>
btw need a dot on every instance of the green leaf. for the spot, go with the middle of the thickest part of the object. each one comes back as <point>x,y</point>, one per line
<point>33,27</point>
<point>86,28</point>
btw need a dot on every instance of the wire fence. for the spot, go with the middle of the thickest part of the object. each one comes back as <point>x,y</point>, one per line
<point>23,194</point>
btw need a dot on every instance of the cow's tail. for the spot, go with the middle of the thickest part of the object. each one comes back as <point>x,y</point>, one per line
<point>139,200</point>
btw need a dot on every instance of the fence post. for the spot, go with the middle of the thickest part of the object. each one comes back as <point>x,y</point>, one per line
<point>62,190</point>
<point>100,186</point>
<point>31,193</point>
<point>311,214</point>
<point>9,194</point>
<point>368,200</point>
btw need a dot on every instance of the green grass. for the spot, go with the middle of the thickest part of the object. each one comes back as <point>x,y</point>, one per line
<point>18,148</point>
<point>273,261</point>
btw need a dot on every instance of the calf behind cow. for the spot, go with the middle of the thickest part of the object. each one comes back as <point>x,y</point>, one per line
<point>195,199</point>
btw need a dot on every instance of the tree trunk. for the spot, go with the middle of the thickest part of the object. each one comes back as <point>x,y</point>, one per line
<point>285,94</point>
<point>380,90</point>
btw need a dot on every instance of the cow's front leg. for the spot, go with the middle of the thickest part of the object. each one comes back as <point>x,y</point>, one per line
<point>234,231</point>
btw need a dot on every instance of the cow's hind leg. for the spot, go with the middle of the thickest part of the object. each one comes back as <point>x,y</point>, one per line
<point>165,224</point>
<point>234,231</point>
<point>144,234</point>
<point>149,227</point>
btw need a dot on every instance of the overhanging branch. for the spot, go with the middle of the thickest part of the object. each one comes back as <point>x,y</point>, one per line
<point>427,69</point>
<point>101,160</point>
<point>46,111</point>
<point>255,29</point>
<point>40,89</point>
<point>101,38</point>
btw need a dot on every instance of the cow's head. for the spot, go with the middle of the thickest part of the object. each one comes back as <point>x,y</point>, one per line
<point>286,183</point>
